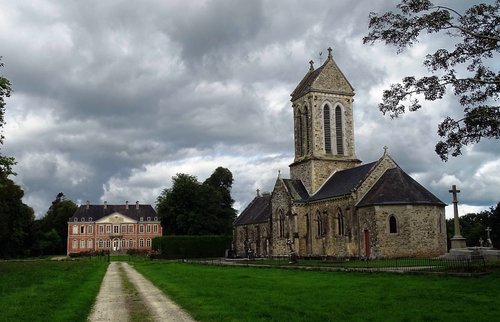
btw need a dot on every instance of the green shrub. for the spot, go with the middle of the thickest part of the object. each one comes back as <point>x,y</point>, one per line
<point>174,247</point>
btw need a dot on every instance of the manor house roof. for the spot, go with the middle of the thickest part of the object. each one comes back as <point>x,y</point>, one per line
<point>96,212</point>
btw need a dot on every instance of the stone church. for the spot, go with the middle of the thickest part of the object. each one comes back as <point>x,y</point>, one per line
<point>333,205</point>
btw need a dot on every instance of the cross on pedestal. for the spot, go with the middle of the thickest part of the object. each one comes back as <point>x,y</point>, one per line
<point>488,239</point>
<point>457,241</point>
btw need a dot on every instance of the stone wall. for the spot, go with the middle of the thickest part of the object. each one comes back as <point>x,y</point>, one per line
<point>281,203</point>
<point>254,238</point>
<point>421,230</point>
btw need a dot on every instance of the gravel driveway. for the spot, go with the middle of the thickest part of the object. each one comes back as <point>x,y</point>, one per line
<point>125,295</point>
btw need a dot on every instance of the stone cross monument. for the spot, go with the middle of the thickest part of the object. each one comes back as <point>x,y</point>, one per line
<point>457,241</point>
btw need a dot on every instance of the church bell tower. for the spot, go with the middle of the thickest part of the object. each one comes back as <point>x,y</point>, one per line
<point>323,125</point>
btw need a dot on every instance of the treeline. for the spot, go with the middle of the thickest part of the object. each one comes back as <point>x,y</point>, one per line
<point>21,234</point>
<point>473,227</point>
<point>187,208</point>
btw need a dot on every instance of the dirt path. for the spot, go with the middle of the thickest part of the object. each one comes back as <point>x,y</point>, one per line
<point>125,295</point>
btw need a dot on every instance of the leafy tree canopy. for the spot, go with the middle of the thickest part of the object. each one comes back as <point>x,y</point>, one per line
<point>6,163</point>
<point>465,69</point>
<point>55,223</point>
<point>194,208</point>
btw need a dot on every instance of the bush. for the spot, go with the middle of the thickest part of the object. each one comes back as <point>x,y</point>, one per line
<point>174,247</point>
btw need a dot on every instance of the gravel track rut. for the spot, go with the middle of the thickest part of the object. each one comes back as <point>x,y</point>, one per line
<point>111,302</point>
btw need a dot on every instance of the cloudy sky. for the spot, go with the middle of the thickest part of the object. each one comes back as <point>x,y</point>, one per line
<point>113,98</point>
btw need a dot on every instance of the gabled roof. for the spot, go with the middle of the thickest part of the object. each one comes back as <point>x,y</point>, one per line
<point>97,212</point>
<point>296,189</point>
<point>343,182</point>
<point>397,187</point>
<point>258,211</point>
<point>326,78</point>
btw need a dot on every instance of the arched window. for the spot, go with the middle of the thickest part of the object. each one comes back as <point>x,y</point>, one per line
<point>281,218</point>
<point>74,244</point>
<point>141,243</point>
<point>305,117</point>
<point>100,244</point>
<point>340,223</point>
<point>300,133</point>
<point>319,222</point>
<point>148,242</point>
<point>108,243</point>
<point>339,136</point>
<point>327,130</point>
<point>393,225</point>
<point>89,243</point>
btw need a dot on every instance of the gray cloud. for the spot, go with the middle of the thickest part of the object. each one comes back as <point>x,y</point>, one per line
<point>112,99</point>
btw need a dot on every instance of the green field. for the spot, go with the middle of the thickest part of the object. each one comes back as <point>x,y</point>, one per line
<point>222,293</point>
<point>49,290</point>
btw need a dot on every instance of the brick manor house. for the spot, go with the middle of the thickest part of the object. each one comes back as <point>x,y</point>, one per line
<point>333,205</point>
<point>116,228</point>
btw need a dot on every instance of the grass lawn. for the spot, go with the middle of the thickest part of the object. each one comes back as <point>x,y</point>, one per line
<point>49,290</point>
<point>222,293</point>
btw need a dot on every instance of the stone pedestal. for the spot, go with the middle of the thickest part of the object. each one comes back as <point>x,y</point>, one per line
<point>458,242</point>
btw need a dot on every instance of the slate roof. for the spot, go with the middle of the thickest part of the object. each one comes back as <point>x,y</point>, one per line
<point>342,182</point>
<point>305,84</point>
<point>296,189</point>
<point>258,211</point>
<point>397,187</point>
<point>97,212</point>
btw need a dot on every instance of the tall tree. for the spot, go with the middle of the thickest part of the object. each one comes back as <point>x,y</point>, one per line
<point>53,232</point>
<point>16,218</point>
<point>468,69</point>
<point>6,163</point>
<point>192,208</point>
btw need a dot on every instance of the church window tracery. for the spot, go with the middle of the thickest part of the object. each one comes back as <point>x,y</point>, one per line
<point>327,129</point>
<point>339,135</point>
<point>340,223</point>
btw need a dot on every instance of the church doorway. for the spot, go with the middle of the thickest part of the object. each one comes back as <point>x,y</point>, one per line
<point>367,244</point>
<point>116,244</point>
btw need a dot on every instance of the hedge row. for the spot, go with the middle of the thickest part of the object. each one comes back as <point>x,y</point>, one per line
<point>174,247</point>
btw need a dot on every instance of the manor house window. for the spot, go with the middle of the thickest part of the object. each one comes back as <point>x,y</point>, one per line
<point>115,229</point>
<point>155,228</point>
<point>90,229</point>
<point>75,229</point>
<point>148,228</point>
<point>82,229</point>
<point>141,228</point>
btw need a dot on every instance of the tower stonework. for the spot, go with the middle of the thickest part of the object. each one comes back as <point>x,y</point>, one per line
<point>323,125</point>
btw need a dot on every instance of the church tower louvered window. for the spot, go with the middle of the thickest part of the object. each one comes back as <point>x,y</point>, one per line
<point>339,130</point>
<point>327,130</point>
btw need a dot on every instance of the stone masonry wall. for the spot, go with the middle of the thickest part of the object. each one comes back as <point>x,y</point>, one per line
<point>420,232</point>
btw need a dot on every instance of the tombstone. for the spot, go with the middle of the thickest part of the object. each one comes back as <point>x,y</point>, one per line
<point>293,257</point>
<point>488,238</point>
